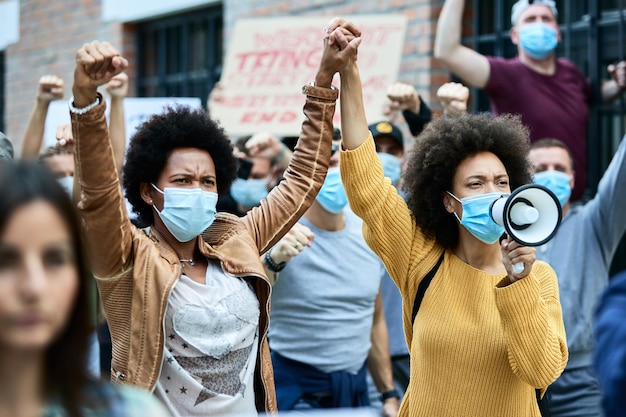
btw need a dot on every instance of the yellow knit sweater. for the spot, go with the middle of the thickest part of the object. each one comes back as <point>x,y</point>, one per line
<point>479,347</point>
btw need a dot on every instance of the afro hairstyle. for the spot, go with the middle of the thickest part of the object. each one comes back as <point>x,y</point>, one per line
<point>151,146</point>
<point>440,149</point>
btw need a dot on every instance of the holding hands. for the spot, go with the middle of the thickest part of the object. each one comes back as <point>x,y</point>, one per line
<point>341,45</point>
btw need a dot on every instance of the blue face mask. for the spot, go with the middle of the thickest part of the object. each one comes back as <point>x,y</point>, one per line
<point>332,196</point>
<point>187,212</point>
<point>250,192</point>
<point>538,39</point>
<point>67,183</point>
<point>476,217</point>
<point>555,181</point>
<point>392,166</point>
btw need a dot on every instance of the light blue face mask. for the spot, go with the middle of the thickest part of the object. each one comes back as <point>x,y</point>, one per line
<point>67,183</point>
<point>187,212</point>
<point>250,192</point>
<point>538,39</point>
<point>476,217</point>
<point>555,181</point>
<point>332,196</point>
<point>392,166</point>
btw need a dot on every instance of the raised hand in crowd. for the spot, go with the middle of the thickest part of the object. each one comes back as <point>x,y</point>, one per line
<point>64,138</point>
<point>96,64</point>
<point>618,73</point>
<point>453,97</point>
<point>267,145</point>
<point>117,89</point>
<point>50,88</point>
<point>403,97</point>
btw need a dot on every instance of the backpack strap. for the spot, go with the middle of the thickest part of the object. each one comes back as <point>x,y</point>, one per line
<point>421,289</point>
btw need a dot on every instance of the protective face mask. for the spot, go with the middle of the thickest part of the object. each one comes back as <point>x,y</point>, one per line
<point>476,217</point>
<point>187,212</point>
<point>538,39</point>
<point>250,192</point>
<point>332,196</point>
<point>67,183</point>
<point>555,181</point>
<point>392,166</point>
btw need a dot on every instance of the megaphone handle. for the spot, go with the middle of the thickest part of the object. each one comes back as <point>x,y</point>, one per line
<point>518,267</point>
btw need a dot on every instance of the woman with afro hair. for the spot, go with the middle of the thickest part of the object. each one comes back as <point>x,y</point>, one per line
<point>484,338</point>
<point>187,297</point>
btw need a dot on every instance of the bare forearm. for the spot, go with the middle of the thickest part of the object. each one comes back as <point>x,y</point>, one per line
<point>33,136</point>
<point>448,37</point>
<point>379,359</point>
<point>353,121</point>
<point>117,130</point>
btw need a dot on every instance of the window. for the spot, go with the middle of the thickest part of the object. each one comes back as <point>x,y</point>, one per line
<point>592,35</point>
<point>180,56</point>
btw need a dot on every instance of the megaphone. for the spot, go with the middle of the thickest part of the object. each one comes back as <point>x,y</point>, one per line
<point>531,215</point>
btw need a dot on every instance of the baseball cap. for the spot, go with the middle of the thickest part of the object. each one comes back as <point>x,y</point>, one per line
<point>521,5</point>
<point>387,129</point>
<point>6,148</point>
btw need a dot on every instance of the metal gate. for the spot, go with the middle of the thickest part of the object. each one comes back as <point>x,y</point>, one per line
<point>592,34</point>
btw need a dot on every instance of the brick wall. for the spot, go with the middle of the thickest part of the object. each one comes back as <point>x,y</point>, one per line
<point>50,34</point>
<point>417,68</point>
<point>52,31</point>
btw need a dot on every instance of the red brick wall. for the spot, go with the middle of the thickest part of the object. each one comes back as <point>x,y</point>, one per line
<point>50,34</point>
<point>52,31</point>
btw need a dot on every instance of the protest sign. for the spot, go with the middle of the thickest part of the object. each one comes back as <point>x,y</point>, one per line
<point>270,59</point>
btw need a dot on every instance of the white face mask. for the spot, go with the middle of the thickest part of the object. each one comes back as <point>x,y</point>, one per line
<point>67,183</point>
<point>187,212</point>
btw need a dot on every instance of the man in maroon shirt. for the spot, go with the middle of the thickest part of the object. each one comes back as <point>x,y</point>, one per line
<point>551,95</point>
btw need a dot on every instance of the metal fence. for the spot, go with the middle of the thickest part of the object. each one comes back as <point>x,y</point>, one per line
<point>592,35</point>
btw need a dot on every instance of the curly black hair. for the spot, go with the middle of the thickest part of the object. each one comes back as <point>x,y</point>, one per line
<point>150,147</point>
<point>438,151</point>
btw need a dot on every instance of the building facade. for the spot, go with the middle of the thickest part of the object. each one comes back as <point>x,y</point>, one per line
<point>177,48</point>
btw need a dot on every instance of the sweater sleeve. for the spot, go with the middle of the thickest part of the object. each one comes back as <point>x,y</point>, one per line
<point>388,226</point>
<point>532,322</point>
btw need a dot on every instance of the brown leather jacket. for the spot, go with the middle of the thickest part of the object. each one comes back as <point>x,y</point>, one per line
<point>135,269</point>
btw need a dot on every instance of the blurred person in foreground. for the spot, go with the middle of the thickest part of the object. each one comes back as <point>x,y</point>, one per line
<point>44,307</point>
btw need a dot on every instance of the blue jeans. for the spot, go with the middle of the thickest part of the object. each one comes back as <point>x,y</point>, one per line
<point>576,393</point>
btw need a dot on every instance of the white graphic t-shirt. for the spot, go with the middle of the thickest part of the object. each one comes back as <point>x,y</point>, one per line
<point>211,344</point>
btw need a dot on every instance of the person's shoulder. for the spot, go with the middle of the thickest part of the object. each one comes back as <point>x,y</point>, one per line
<point>499,61</point>
<point>138,403</point>
<point>564,64</point>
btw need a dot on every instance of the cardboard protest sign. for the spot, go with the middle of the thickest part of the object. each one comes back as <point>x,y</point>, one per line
<point>270,59</point>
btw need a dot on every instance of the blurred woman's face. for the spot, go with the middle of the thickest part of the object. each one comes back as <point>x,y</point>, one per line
<point>38,278</point>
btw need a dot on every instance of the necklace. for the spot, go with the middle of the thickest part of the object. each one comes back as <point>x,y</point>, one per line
<point>189,261</point>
